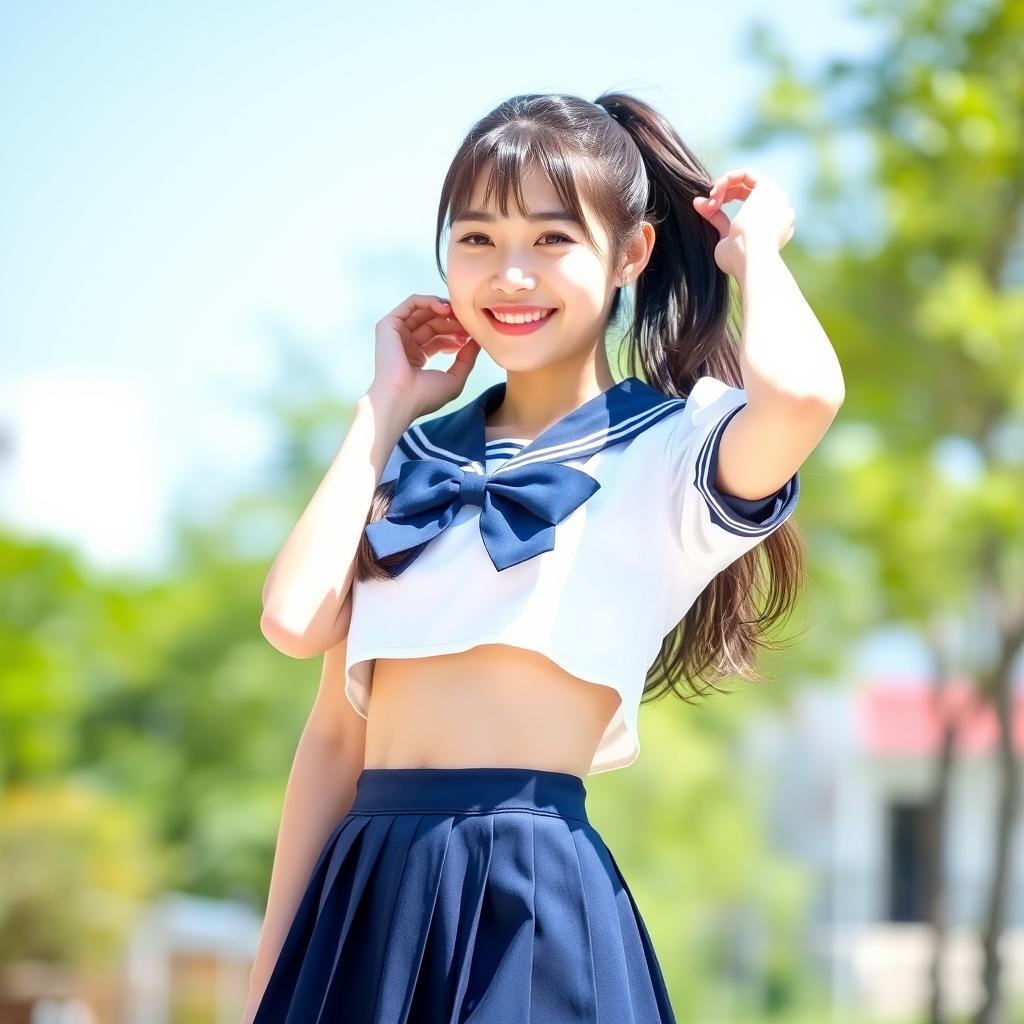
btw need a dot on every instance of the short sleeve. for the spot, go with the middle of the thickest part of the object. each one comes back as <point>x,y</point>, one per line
<point>715,528</point>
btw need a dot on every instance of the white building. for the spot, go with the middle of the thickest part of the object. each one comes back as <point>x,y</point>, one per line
<point>850,775</point>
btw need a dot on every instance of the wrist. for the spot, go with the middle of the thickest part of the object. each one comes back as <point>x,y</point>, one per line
<point>758,258</point>
<point>390,410</point>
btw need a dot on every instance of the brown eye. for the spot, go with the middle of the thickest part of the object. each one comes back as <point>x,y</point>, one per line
<point>550,234</point>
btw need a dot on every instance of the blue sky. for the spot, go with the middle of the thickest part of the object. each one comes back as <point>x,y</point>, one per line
<point>186,183</point>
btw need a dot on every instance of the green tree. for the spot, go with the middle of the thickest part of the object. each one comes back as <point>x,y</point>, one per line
<point>918,260</point>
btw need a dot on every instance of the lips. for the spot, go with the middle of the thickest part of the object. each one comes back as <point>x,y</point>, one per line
<point>524,328</point>
<point>529,311</point>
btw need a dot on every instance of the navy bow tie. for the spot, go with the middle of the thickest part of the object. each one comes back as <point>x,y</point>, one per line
<point>522,500</point>
<point>518,508</point>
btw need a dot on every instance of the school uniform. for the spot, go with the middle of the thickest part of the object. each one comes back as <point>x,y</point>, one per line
<point>484,895</point>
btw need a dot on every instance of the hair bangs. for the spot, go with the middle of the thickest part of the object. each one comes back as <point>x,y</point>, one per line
<point>509,154</point>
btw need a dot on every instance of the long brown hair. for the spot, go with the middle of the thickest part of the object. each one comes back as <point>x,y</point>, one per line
<point>630,164</point>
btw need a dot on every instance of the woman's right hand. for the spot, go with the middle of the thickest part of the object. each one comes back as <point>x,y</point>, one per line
<point>412,332</point>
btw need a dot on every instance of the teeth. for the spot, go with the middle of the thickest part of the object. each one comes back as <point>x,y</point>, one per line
<point>519,318</point>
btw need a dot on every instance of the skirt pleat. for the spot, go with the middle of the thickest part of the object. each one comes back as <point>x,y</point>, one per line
<point>466,896</point>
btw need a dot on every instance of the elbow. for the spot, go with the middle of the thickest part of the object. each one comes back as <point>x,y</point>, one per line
<point>836,396</point>
<point>817,407</point>
<point>285,640</point>
<point>307,642</point>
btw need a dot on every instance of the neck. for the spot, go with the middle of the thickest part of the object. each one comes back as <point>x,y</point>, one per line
<point>536,399</point>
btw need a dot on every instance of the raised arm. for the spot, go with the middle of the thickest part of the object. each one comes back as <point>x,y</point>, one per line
<point>306,596</point>
<point>306,606</point>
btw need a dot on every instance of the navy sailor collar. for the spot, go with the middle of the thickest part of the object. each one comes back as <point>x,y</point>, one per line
<point>611,417</point>
<point>523,499</point>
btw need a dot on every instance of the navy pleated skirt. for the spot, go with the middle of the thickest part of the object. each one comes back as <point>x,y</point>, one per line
<point>466,896</point>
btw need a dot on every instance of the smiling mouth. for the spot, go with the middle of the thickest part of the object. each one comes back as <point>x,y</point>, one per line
<point>517,323</point>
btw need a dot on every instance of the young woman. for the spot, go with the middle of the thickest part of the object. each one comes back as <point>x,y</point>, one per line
<point>504,582</point>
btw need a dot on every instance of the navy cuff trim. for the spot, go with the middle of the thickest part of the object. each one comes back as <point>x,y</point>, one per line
<point>744,517</point>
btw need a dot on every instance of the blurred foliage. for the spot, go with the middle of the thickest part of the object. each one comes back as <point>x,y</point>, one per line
<point>912,252</point>
<point>915,263</point>
<point>77,863</point>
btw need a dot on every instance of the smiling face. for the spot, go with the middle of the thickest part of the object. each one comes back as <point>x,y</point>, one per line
<point>496,261</point>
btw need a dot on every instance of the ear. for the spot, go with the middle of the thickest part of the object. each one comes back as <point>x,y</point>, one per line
<point>638,252</point>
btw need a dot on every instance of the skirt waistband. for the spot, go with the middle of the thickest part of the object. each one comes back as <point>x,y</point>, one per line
<point>473,790</point>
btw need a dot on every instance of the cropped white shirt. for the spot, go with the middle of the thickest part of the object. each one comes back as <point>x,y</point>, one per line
<point>588,544</point>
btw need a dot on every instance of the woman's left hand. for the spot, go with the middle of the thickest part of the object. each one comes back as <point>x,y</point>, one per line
<point>765,220</point>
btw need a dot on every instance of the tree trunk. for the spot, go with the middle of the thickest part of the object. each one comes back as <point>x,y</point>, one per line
<point>992,1010</point>
<point>937,908</point>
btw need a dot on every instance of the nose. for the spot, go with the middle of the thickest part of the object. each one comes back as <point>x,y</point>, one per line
<point>513,279</point>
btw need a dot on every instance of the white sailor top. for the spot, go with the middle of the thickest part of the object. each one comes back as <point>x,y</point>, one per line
<point>588,544</point>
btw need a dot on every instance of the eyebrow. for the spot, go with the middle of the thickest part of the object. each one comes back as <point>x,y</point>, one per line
<point>483,215</point>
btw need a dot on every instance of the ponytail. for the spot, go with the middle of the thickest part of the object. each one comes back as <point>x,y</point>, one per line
<point>632,166</point>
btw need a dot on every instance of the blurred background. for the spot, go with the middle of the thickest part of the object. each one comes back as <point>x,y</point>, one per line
<point>206,208</point>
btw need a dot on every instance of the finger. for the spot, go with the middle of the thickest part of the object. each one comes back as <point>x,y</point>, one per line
<point>440,323</point>
<point>413,352</point>
<point>418,301</point>
<point>415,320</point>
<point>464,361</point>
<point>720,221</point>
<point>746,177</point>
<point>742,190</point>
<point>443,343</point>
<point>419,328</point>
<point>439,343</point>
<point>407,327</point>
<point>438,334</point>
<point>437,325</point>
<point>736,184</point>
<point>722,193</point>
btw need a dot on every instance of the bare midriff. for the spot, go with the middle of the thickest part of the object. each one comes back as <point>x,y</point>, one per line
<point>493,705</point>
